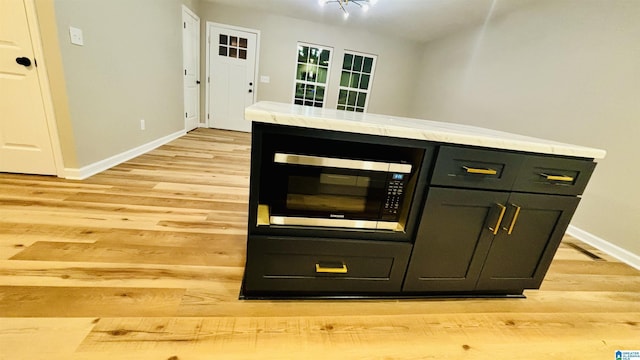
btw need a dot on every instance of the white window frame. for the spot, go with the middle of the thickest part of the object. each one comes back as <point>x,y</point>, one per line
<point>295,72</point>
<point>366,91</point>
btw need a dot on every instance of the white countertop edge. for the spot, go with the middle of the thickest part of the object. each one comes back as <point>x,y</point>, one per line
<point>407,128</point>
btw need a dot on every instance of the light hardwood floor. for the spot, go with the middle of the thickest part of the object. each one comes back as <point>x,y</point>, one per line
<point>145,260</point>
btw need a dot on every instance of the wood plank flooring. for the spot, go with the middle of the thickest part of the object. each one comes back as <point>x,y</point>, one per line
<point>145,260</point>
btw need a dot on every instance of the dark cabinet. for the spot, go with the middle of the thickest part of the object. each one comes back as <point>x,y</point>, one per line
<point>486,241</point>
<point>476,237</point>
<point>475,168</point>
<point>453,239</point>
<point>311,266</point>
<point>526,242</point>
<point>549,175</point>
<point>479,222</point>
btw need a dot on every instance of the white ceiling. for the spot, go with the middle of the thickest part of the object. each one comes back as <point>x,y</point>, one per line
<point>418,20</point>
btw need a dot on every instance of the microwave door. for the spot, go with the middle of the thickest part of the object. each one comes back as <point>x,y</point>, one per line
<point>334,193</point>
<point>320,191</point>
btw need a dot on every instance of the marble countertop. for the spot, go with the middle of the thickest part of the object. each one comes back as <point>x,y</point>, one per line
<point>407,128</point>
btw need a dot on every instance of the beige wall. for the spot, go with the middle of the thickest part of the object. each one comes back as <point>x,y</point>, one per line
<point>564,70</point>
<point>128,69</point>
<point>53,59</point>
<point>395,71</point>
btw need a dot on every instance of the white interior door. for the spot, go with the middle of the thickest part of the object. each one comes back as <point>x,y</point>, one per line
<point>191,61</point>
<point>25,143</point>
<point>232,59</point>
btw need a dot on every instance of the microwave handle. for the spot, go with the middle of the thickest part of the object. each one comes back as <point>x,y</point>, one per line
<point>294,159</point>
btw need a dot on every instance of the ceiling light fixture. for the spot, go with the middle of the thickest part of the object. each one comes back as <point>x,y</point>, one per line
<point>343,4</point>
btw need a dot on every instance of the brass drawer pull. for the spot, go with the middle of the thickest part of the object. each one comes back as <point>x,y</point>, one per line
<point>557,177</point>
<point>331,270</point>
<point>515,218</point>
<point>471,170</point>
<point>497,226</point>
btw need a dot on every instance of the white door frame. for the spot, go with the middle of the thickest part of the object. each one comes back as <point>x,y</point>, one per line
<point>187,12</point>
<point>45,90</point>
<point>208,60</point>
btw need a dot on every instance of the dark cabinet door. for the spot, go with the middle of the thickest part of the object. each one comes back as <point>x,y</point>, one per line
<point>530,233</point>
<point>453,239</point>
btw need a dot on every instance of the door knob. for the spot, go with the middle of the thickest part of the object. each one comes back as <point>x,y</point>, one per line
<point>24,61</point>
<point>251,84</point>
<point>250,90</point>
<point>198,82</point>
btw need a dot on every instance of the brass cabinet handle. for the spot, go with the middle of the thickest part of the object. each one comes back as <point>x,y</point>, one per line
<point>557,177</point>
<point>331,270</point>
<point>515,218</point>
<point>497,226</point>
<point>471,170</point>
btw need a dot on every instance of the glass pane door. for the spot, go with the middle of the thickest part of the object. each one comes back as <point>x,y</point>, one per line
<point>355,81</point>
<point>312,75</point>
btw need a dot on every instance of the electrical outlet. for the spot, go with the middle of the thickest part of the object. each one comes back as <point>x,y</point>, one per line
<point>142,124</point>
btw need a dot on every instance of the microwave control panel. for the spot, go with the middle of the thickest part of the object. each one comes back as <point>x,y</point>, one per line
<point>395,193</point>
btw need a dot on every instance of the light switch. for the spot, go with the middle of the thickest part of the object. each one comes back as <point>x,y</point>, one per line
<point>264,79</point>
<point>76,36</point>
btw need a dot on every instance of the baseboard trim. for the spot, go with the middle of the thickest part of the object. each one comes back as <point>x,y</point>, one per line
<point>102,165</point>
<point>617,252</point>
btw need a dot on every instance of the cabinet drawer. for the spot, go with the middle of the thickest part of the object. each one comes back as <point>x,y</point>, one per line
<point>303,265</point>
<point>472,168</point>
<point>548,175</point>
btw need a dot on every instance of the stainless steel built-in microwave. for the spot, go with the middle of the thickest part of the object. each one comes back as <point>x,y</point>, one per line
<point>325,191</point>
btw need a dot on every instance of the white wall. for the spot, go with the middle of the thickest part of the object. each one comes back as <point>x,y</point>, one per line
<point>394,80</point>
<point>128,69</point>
<point>565,70</point>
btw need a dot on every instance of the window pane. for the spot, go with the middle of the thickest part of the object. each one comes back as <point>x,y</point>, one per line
<point>301,74</point>
<point>243,43</point>
<point>357,63</point>
<point>342,98</point>
<point>318,104</point>
<point>324,57</point>
<point>312,73</point>
<point>233,52</point>
<point>368,64</point>
<point>355,80</point>
<point>322,75</point>
<point>348,60</point>
<point>222,50</point>
<point>298,102</point>
<point>314,56</point>
<point>310,92</point>
<point>299,91</point>
<point>351,98</point>
<point>320,93</point>
<point>341,107</point>
<point>303,53</point>
<point>359,110</point>
<point>350,108</point>
<point>364,82</point>
<point>362,98</point>
<point>344,79</point>
<point>233,40</point>
<point>243,54</point>
<point>308,103</point>
<point>223,39</point>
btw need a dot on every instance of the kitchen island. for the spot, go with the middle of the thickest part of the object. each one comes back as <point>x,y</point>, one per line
<point>346,204</point>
